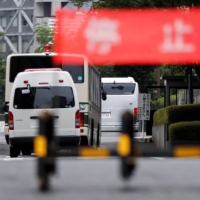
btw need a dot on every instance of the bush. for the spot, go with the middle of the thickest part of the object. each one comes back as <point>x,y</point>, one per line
<point>173,114</point>
<point>185,131</point>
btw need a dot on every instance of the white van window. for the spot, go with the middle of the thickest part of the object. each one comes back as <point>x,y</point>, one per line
<point>19,63</point>
<point>119,88</point>
<point>44,97</point>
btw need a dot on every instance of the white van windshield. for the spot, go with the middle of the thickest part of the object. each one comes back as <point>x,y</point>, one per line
<point>119,88</point>
<point>44,97</point>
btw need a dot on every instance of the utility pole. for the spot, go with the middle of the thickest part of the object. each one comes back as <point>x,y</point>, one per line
<point>190,88</point>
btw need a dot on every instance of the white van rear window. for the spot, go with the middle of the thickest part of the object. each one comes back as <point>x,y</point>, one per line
<point>44,97</point>
<point>119,88</point>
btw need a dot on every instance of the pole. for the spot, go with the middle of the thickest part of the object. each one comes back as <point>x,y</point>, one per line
<point>142,129</point>
<point>190,89</point>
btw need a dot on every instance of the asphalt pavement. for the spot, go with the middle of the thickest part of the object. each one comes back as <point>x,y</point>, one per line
<point>94,179</point>
<point>155,178</point>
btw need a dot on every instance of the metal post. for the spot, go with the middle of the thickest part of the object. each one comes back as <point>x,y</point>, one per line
<point>44,147</point>
<point>190,88</point>
<point>125,147</point>
<point>142,129</point>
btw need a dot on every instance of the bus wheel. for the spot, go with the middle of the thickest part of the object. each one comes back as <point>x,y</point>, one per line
<point>92,133</point>
<point>14,152</point>
<point>98,137</point>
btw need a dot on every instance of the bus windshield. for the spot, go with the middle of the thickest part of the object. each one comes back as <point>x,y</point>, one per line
<point>119,88</point>
<point>20,63</point>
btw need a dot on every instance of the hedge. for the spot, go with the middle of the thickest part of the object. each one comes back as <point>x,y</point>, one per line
<point>177,113</point>
<point>184,131</point>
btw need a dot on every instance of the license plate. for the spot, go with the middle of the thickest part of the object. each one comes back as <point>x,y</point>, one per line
<point>105,115</point>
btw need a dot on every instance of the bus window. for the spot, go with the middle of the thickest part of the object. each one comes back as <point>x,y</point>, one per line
<point>75,67</point>
<point>77,72</point>
<point>20,63</point>
<point>119,88</point>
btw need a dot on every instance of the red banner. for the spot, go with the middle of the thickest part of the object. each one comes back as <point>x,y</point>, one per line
<point>130,36</point>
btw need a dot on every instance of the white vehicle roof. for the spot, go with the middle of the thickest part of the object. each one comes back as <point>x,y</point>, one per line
<point>118,80</point>
<point>37,78</point>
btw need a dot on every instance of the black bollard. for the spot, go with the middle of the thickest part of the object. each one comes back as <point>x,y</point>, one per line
<point>44,148</point>
<point>125,146</point>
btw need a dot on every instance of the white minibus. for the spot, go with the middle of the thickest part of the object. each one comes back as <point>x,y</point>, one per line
<point>122,95</point>
<point>45,90</point>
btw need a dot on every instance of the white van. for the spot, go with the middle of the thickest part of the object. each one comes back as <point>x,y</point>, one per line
<point>35,91</point>
<point>122,95</point>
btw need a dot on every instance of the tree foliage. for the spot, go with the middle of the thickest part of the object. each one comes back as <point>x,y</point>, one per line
<point>139,3</point>
<point>141,73</point>
<point>44,35</point>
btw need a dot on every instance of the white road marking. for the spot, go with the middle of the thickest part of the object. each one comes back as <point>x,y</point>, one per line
<point>158,158</point>
<point>8,158</point>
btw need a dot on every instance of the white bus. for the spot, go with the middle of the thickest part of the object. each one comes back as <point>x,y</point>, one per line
<point>87,82</point>
<point>122,95</point>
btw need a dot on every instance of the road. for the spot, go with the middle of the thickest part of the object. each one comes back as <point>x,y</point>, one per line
<point>108,140</point>
<point>77,178</point>
<point>155,178</point>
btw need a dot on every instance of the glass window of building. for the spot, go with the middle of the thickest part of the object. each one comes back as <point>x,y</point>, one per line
<point>24,46</point>
<point>3,47</point>
<point>15,45</point>
<point>24,22</point>
<point>14,22</point>
<point>3,21</point>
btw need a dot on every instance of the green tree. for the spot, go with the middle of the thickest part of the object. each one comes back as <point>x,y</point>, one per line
<point>2,77</point>
<point>44,35</point>
<point>139,3</point>
<point>141,73</point>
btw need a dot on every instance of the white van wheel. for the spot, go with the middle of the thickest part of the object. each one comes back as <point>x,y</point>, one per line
<point>14,152</point>
<point>26,152</point>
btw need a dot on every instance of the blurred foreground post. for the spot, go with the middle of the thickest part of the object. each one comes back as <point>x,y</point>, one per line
<point>125,147</point>
<point>44,148</point>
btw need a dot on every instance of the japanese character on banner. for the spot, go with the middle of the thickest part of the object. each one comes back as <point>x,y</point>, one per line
<point>101,35</point>
<point>174,37</point>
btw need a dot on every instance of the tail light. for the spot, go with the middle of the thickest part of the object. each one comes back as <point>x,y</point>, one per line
<point>10,121</point>
<point>135,113</point>
<point>77,119</point>
<point>81,119</point>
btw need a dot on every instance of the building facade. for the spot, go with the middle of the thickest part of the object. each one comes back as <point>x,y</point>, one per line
<point>16,22</point>
<point>18,19</point>
<point>44,12</point>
